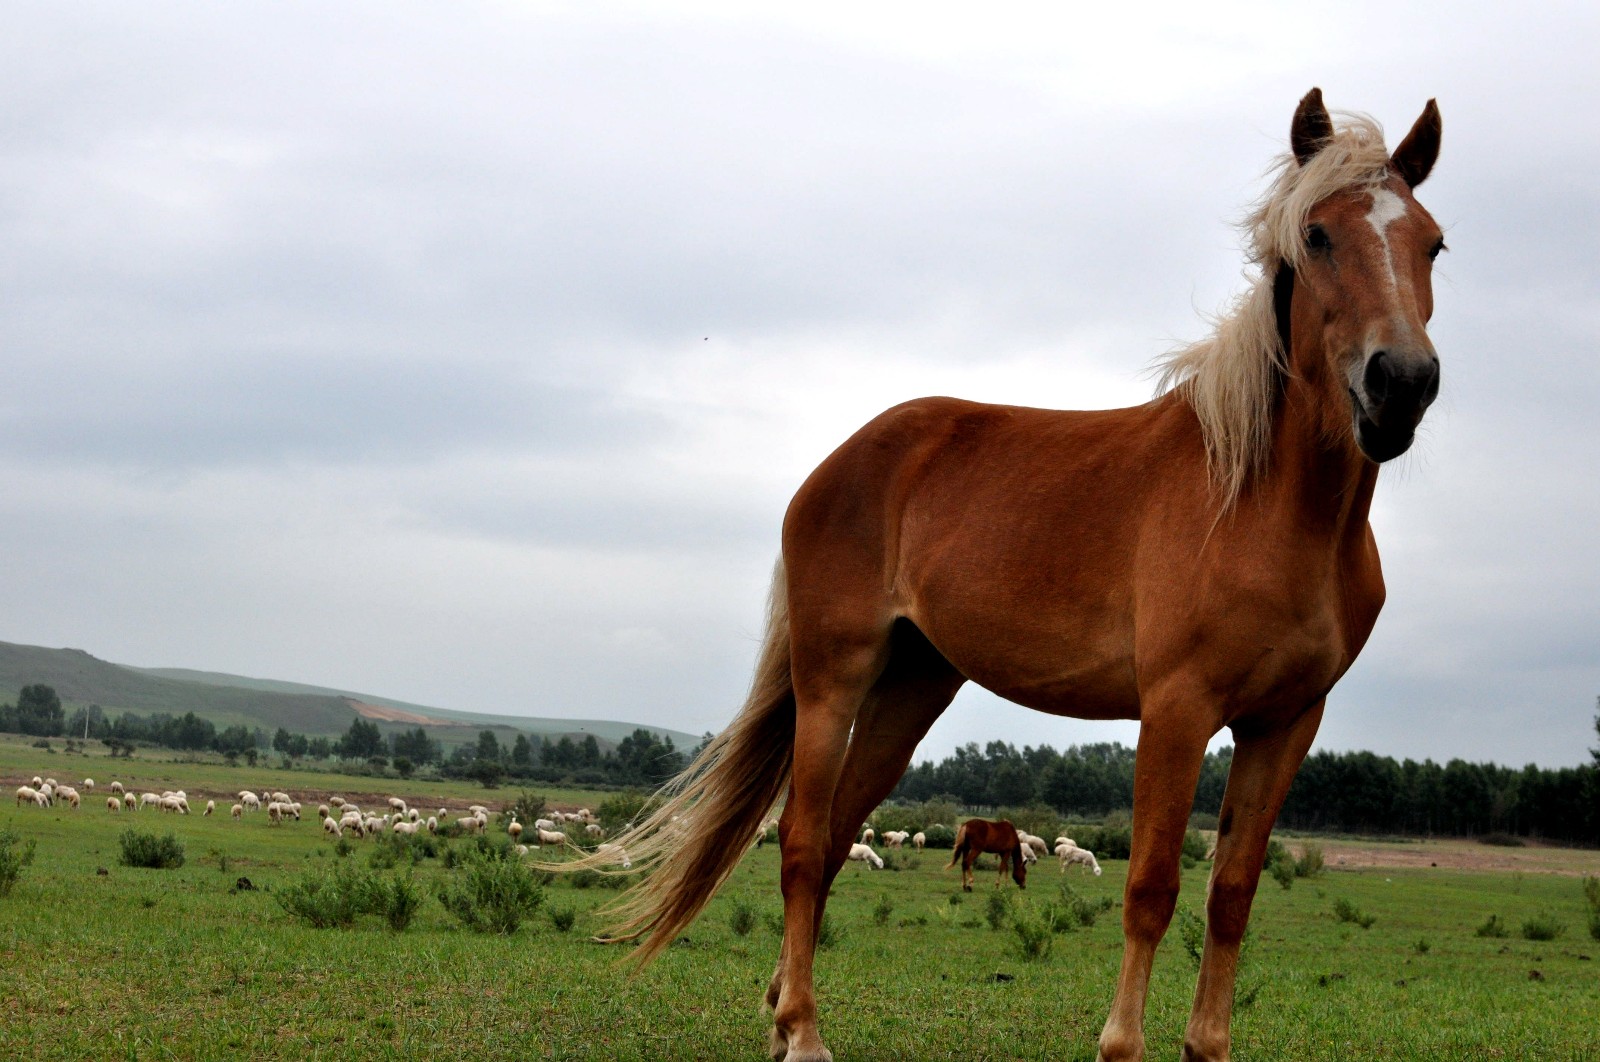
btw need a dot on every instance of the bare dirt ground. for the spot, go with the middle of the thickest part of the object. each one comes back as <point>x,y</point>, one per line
<point>1453,854</point>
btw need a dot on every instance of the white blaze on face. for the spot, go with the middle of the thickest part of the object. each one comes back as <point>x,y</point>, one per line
<point>1387,208</point>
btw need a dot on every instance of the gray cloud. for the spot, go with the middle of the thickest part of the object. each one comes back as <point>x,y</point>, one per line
<point>471,357</point>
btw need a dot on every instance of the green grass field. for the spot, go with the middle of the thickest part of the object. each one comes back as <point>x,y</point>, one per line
<point>148,964</point>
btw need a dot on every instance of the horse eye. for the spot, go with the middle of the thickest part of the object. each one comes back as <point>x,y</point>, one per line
<point>1434,251</point>
<point>1317,238</point>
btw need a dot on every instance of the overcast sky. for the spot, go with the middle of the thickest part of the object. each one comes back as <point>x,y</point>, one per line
<point>469,353</point>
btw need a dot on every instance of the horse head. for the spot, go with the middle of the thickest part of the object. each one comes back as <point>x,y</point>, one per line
<point>1354,280</point>
<point>1019,867</point>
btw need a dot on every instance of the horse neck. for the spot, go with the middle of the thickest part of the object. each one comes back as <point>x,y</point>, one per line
<point>1316,471</point>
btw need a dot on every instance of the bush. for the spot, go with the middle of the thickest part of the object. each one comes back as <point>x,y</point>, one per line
<point>999,909</point>
<point>1542,926</point>
<point>881,910</point>
<point>1282,871</point>
<point>562,918</point>
<point>939,836</point>
<point>14,855</point>
<point>1195,846</point>
<point>477,848</point>
<point>336,897</point>
<point>527,809</point>
<point>1345,911</point>
<point>1310,864</point>
<point>630,805</point>
<point>492,895</point>
<point>1492,928</point>
<point>828,934</point>
<point>742,918</point>
<point>1035,936</point>
<point>141,849</point>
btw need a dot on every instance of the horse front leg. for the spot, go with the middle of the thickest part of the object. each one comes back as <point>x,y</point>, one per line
<point>1166,770</point>
<point>1263,767</point>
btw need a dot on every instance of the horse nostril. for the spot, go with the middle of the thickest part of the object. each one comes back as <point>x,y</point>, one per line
<point>1430,389</point>
<point>1376,377</point>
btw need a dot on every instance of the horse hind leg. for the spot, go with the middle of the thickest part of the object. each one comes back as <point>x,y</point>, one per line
<point>826,807</point>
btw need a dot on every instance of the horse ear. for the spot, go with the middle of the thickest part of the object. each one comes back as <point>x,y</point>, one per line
<point>1415,156</point>
<point>1312,127</point>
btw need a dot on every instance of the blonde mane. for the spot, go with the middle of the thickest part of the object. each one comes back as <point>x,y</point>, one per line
<point>1231,377</point>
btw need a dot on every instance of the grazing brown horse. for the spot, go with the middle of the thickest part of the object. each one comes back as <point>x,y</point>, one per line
<point>977,836</point>
<point>1199,562</point>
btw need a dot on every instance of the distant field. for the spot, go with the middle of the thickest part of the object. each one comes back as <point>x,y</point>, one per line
<point>137,963</point>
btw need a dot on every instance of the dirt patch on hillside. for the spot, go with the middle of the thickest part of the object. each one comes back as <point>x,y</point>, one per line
<point>394,715</point>
<point>1454,854</point>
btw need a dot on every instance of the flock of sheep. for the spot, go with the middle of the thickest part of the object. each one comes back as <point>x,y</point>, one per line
<point>1033,848</point>
<point>339,816</point>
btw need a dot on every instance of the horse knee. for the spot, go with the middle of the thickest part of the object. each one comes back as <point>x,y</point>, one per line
<point>1228,910</point>
<point>1148,908</point>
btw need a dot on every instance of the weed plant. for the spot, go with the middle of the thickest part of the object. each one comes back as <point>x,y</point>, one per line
<point>14,855</point>
<point>140,849</point>
<point>491,894</point>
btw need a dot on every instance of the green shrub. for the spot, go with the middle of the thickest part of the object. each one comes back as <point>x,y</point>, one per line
<point>141,849</point>
<point>1282,871</point>
<point>1035,935</point>
<point>1192,934</point>
<point>562,918</point>
<point>1345,911</point>
<point>628,806</point>
<point>1492,928</point>
<point>881,910</point>
<point>998,909</point>
<point>527,809</point>
<point>14,855</point>
<point>742,918</point>
<point>1542,926</point>
<point>1310,864</point>
<point>1195,845</point>
<point>828,933</point>
<point>479,848</point>
<point>491,894</point>
<point>939,836</point>
<point>331,898</point>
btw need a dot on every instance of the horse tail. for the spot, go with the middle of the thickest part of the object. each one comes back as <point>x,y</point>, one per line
<point>959,847</point>
<point>696,837</point>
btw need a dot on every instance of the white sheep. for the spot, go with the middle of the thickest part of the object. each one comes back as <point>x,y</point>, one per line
<point>336,801</point>
<point>544,824</point>
<point>116,787</point>
<point>866,837</point>
<point>146,799</point>
<point>551,836</point>
<point>1064,839</point>
<point>88,783</point>
<point>514,829</point>
<point>397,804</point>
<point>26,794</point>
<point>864,854</point>
<point>41,799</point>
<point>433,824</point>
<point>113,805</point>
<point>211,806</point>
<point>593,830</point>
<point>250,801</point>
<point>470,823</point>
<point>37,781</point>
<point>919,839</point>
<point>895,838</point>
<point>237,811</point>
<point>331,828</point>
<point>1035,842</point>
<point>293,808</point>
<point>1072,854</point>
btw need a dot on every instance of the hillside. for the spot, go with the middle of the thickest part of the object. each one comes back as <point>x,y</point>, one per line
<point>80,679</point>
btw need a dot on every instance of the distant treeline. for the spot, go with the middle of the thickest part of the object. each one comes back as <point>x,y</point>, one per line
<point>1357,792</point>
<point>640,759</point>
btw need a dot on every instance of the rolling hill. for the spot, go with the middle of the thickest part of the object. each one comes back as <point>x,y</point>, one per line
<point>80,679</point>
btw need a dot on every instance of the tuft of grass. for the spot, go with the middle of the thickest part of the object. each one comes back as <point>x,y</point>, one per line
<point>140,849</point>
<point>882,909</point>
<point>828,933</point>
<point>1542,926</point>
<point>998,909</point>
<point>1035,935</point>
<point>742,918</point>
<point>1345,911</point>
<point>1421,946</point>
<point>1492,928</point>
<point>492,894</point>
<point>14,855</point>
<point>562,918</point>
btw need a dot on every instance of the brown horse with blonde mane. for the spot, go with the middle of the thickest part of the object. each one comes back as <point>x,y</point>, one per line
<point>1199,562</point>
<point>977,836</point>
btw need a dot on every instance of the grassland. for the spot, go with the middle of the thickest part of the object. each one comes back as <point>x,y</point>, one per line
<point>159,964</point>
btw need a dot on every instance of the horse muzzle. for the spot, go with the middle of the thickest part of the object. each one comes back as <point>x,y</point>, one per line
<point>1388,400</point>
